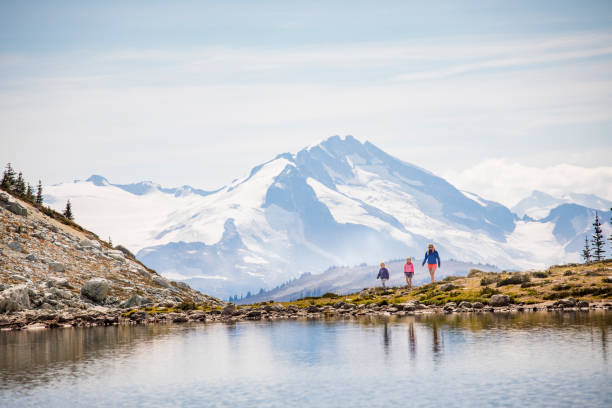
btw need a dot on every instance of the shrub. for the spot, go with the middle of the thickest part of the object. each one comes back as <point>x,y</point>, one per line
<point>382,302</point>
<point>489,280</point>
<point>540,275</point>
<point>561,286</point>
<point>513,280</point>
<point>488,292</point>
<point>187,306</point>
<point>568,273</point>
<point>329,295</point>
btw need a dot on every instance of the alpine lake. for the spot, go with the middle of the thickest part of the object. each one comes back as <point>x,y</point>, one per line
<point>539,359</point>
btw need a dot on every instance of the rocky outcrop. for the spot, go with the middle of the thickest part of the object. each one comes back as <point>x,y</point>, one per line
<point>67,270</point>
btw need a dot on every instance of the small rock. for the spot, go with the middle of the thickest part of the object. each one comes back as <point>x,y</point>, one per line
<point>96,289</point>
<point>31,258</point>
<point>338,304</point>
<point>582,303</point>
<point>116,255</point>
<point>57,282</point>
<point>15,246</point>
<point>56,267</point>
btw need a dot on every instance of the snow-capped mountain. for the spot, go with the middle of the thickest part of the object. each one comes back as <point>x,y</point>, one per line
<point>538,205</point>
<point>340,202</point>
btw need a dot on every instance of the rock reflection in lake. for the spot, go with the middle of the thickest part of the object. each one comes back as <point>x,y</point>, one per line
<point>485,359</point>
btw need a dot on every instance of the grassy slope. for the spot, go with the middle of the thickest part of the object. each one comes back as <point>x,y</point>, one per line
<point>583,282</point>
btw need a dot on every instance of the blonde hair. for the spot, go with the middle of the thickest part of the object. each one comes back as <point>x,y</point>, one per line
<point>431,247</point>
<point>382,264</point>
<point>409,259</point>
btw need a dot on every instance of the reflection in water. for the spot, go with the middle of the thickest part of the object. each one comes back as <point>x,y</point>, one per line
<point>411,340</point>
<point>436,347</point>
<point>386,337</point>
<point>489,360</point>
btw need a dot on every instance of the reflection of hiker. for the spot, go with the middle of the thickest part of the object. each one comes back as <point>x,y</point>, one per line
<point>431,256</point>
<point>383,274</point>
<point>409,272</point>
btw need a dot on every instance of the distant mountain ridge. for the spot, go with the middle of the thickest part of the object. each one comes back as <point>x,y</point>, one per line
<point>340,202</point>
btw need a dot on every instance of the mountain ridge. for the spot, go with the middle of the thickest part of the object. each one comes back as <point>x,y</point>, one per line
<point>335,203</point>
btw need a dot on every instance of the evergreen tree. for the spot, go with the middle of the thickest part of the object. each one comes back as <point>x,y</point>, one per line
<point>598,240</point>
<point>20,186</point>
<point>29,195</point>
<point>586,252</point>
<point>110,241</point>
<point>8,177</point>
<point>39,193</point>
<point>68,211</point>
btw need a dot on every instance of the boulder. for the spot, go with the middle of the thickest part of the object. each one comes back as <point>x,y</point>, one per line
<point>56,267</point>
<point>161,281</point>
<point>15,299</point>
<point>31,258</point>
<point>582,303</point>
<point>15,246</point>
<point>90,243</point>
<point>16,208</point>
<point>447,287</point>
<point>477,305</point>
<point>4,198</point>
<point>338,304</point>
<point>96,289</point>
<point>144,273</point>
<point>465,305</point>
<point>253,314</point>
<point>499,300</point>
<point>116,255</point>
<point>135,301</point>
<point>126,252</point>
<point>228,309</point>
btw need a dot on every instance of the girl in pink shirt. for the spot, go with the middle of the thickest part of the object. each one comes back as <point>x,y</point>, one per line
<point>409,272</point>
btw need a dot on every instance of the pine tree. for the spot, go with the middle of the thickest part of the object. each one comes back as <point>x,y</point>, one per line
<point>68,211</point>
<point>29,195</point>
<point>598,240</point>
<point>39,193</point>
<point>586,252</point>
<point>110,241</point>
<point>8,178</point>
<point>20,186</point>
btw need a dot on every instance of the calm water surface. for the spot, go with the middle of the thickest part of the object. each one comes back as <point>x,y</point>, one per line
<point>531,359</point>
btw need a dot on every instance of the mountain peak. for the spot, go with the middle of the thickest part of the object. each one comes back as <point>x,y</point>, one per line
<point>98,180</point>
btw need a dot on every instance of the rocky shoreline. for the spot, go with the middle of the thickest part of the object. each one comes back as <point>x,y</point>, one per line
<point>103,316</point>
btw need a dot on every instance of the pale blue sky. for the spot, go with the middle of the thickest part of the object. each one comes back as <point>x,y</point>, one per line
<point>199,92</point>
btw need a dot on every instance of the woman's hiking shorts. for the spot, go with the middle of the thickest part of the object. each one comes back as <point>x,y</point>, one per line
<point>432,267</point>
<point>409,274</point>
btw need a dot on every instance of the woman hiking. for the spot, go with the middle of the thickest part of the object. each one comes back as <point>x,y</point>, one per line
<point>431,256</point>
